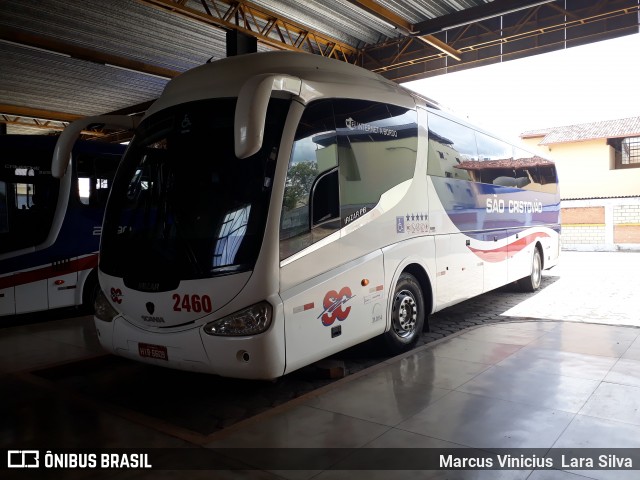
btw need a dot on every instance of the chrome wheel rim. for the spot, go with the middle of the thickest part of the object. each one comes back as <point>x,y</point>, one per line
<point>536,275</point>
<point>405,314</point>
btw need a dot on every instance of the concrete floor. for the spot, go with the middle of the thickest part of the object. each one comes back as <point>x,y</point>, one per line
<point>526,382</point>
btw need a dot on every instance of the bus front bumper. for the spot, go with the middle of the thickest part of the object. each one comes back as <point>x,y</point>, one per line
<point>253,357</point>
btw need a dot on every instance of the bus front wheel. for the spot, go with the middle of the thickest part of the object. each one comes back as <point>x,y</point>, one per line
<point>407,315</point>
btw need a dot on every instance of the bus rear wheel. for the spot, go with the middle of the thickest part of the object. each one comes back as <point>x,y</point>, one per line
<point>533,281</point>
<point>407,315</point>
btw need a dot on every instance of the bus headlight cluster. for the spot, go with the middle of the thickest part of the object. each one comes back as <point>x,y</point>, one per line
<point>249,321</point>
<point>103,309</point>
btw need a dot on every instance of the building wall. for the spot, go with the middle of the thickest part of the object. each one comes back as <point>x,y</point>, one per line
<point>626,220</point>
<point>586,169</point>
<point>604,224</point>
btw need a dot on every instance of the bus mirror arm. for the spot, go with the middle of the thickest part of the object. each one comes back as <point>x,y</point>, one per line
<point>251,109</point>
<point>64,145</point>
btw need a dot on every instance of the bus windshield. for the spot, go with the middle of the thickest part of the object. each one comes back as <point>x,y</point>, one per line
<point>182,205</point>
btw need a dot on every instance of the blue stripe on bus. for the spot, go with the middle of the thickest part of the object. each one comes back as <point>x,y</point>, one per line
<point>469,205</point>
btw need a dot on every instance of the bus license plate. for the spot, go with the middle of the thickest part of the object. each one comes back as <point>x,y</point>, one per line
<point>148,350</point>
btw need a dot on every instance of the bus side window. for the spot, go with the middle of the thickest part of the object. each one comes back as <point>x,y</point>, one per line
<point>28,197</point>
<point>539,172</point>
<point>452,150</point>
<point>313,156</point>
<point>497,163</point>
<point>95,174</point>
<point>377,148</point>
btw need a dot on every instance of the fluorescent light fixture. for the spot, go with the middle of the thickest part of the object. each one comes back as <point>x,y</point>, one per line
<point>137,71</point>
<point>31,47</point>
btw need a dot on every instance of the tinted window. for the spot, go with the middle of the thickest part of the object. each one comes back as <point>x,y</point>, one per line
<point>496,161</point>
<point>374,147</point>
<point>490,148</point>
<point>452,149</point>
<point>453,154</point>
<point>314,153</point>
<point>377,146</point>
<point>532,172</point>
<point>522,169</point>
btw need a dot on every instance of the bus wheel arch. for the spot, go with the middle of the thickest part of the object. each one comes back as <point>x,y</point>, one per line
<point>410,304</point>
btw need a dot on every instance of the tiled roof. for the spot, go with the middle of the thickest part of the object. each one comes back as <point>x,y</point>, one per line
<point>541,132</point>
<point>625,127</point>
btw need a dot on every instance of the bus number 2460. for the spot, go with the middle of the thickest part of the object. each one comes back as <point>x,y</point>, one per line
<point>188,303</point>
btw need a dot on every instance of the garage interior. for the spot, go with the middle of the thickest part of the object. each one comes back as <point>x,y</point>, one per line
<point>64,60</point>
<point>478,382</point>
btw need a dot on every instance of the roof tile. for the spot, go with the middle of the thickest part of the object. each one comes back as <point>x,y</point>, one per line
<point>624,127</point>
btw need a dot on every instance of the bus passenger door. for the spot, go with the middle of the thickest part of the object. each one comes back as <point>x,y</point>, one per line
<point>332,282</point>
<point>328,312</point>
<point>333,298</point>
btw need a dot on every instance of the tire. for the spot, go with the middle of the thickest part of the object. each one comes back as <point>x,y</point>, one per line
<point>407,315</point>
<point>532,282</point>
<point>90,292</point>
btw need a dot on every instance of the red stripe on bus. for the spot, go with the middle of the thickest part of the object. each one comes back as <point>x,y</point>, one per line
<point>500,254</point>
<point>22,278</point>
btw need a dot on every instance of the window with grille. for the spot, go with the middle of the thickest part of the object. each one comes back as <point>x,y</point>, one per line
<point>626,151</point>
<point>630,149</point>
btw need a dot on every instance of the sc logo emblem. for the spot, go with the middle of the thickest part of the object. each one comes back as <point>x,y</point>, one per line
<point>23,459</point>
<point>333,304</point>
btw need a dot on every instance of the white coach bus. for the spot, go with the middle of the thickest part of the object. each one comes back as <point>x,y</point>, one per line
<point>275,208</point>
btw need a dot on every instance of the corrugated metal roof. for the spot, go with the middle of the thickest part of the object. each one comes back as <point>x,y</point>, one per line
<point>135,31</point>
<point>337,19</point>
<point>624,127</point>
<point>80,87</point>
<point>418,11</point>
<point>121,27</point>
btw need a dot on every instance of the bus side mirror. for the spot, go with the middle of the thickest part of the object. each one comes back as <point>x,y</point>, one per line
<point>64,145</point>
<point>251,109</point>
<point>325,198</point>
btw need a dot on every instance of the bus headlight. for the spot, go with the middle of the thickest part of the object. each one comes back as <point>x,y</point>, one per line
<point>103,309</point>
<point>249,321</point>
